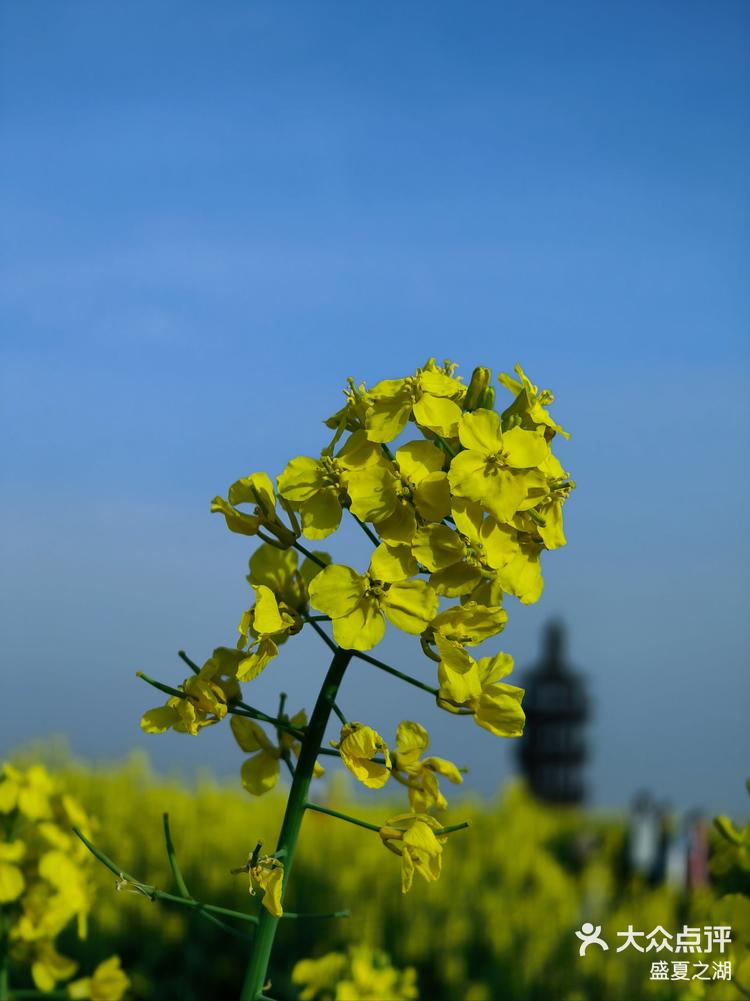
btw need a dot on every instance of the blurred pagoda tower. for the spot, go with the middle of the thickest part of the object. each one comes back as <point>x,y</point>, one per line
<point>553,751</point>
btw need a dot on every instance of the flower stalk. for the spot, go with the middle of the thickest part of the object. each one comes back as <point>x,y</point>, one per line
<point>260,953</point>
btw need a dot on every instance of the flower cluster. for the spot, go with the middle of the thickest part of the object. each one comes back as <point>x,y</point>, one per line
<point>44,883</point>
<point>463,512</point>
<point>459,500</point>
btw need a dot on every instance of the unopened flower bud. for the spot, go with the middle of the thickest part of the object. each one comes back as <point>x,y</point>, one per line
<point>480,380</point>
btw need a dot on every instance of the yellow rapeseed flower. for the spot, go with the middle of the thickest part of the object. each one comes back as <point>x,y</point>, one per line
<point>419,774</point>
<point>493,468</point>
<point>431,396</point>
<point>475,686</point>
<point>358,604</point>
<point>318,487</point>
<point>358,745</point>
<point>412,836</point>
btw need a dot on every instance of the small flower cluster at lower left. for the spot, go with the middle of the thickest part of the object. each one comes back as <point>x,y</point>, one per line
<point>44,884</point>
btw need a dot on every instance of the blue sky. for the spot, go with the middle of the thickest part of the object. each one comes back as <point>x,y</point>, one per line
<point>213,214</point>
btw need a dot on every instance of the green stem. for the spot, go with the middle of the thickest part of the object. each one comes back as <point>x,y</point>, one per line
<point>290,827</point>
<point>396,674</point>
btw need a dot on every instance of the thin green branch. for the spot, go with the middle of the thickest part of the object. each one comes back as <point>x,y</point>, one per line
<point>303,917</point>
<point>282,704</point>
<point>392,670</point>
<point>368,532</point>
<point>375,827</point>
<point>153,893</point>
<point>343,816</point>
<point>338,712</point>
<point>322,633</point>
<point>173,864</point>
<point>190,663</point>
<point>167,689</point>
<point>452,828</point>
<point>291,515</point>
<point>288,762</point>
<point>269,541</point>
<point>331,752</point>
<point>311,556</point>
<point>236,708</point>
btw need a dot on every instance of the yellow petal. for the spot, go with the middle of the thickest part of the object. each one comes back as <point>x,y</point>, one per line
<point>418,459</point>
<point>249,735</point>
<point>437,383</point>
<point>260,773</point>
<point>392,563</point>
<point>336,590</point>
<point>503,493</point>
<point>444,767</point>
<point>359,451</point>
<point>552,532</point>
<point>237,521</point>
<point>410,605</point>
<point>268,618</point>
<point>469,518</point>
<point>159,720</point>
<point>438,546</point>
<point>386,418</point>
<point>467,475</point>
<point>455,581</point>
<point>411,740</point>
<point>250,667</point>
<point>321,514</point>
<point>362,628</point>
<point>254,489</point>
<point>480,431</point>
<point>269,875</point>
<point>499,711</point>
<point>432,497</point>
<point>399,528</point>
<point>372,491</point>
<point>522,575</point>
<point>524,449</point>
<point>438,414</point>
<point>272,567</point>
<point>457,672</point>
<point>301,479</point>
<point>470,623</point>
